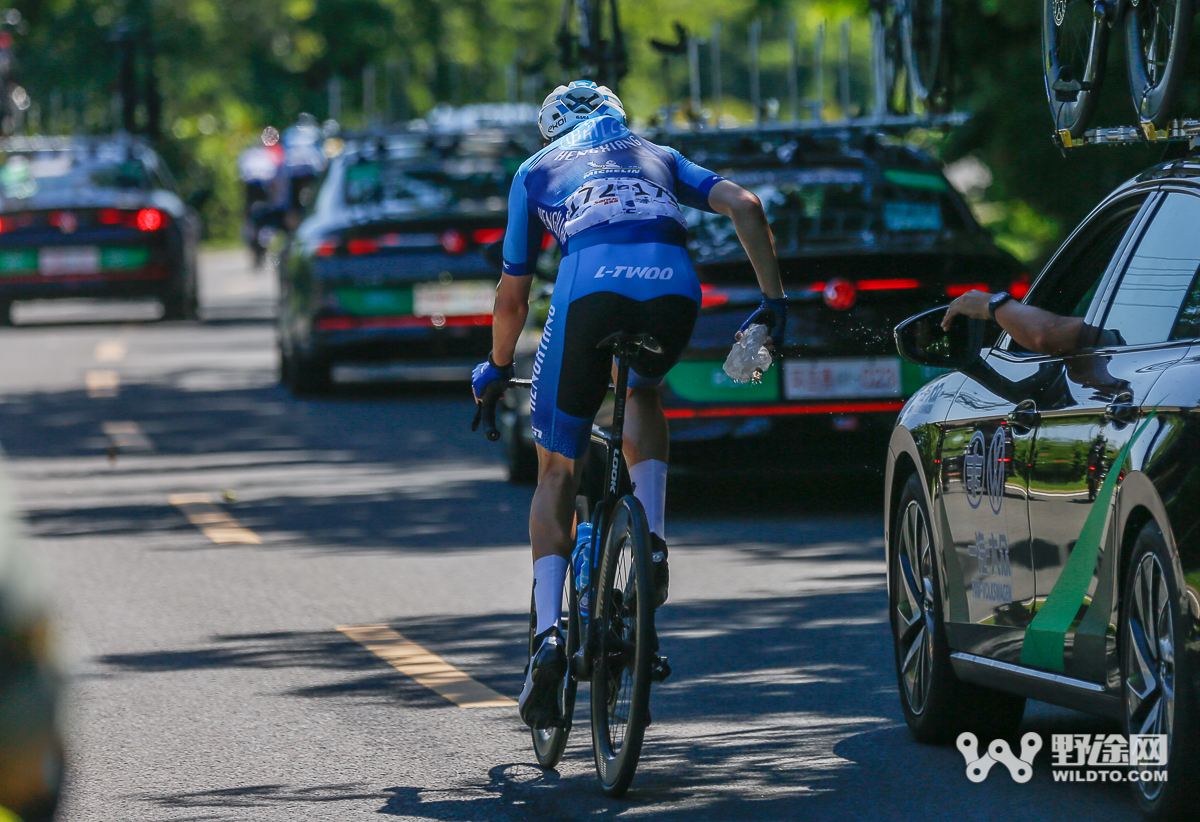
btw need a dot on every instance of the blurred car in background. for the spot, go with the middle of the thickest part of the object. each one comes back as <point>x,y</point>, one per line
<point>93,217</point>
<point>390,263</point>
<point>31,743</point>
<point>868,232</point>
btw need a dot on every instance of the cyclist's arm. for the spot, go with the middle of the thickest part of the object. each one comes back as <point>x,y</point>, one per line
<point>753,230</point>
<point>508,316</point>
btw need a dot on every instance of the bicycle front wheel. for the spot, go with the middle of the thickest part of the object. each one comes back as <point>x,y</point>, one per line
<point>549,743</point>
<point>922,36</point>
<point>1074,55</point>
<point>1156,42</point>
<point>623,656</point>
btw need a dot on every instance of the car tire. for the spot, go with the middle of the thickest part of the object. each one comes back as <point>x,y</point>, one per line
<point>1154,655</point>
<point>310,376</point>
<point>181,302</point>
<point>6,313</point>
<point>937,705</point>
<point>522,458</point>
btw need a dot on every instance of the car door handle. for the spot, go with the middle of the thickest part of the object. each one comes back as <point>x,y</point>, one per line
<point>1025,415</point>
<point>1121,409</point>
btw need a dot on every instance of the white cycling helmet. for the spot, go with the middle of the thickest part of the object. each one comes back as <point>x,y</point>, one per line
<point>568,106</point>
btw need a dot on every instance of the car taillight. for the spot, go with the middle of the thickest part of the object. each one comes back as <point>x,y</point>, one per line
<point>712,296</point>
<point>453,241</point>
<point>362,245</point>
<point>487,236</point>
<point>150,219</point>
<point>327,248</point>
<point>840,294</point>
<point>1020,286</point>
<point>108,216</point>
<point>548,241</point>
<point>958,289</point>
<point>891,284</point>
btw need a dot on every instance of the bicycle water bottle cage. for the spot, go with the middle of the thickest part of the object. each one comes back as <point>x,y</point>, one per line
<point>1066,88</point>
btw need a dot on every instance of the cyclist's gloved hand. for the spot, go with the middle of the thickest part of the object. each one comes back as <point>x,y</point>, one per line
<point>488,372</point>
<point>773,314</point>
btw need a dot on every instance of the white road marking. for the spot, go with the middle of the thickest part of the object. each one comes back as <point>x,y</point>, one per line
<point>102,383</point>
<point>427,668</point>
<point>126,435</point>
<point>214,522</point>
<point>113,350</point>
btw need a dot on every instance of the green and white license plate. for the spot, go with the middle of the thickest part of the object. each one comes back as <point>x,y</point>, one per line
<point>453,299</point>
<point>823,379</point>
<point>74,259</point>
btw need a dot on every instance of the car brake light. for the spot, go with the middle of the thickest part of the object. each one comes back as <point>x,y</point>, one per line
<point>149,219</point>
<point>362,245</point>
<point>453,241</point>
<point>958,289</point>
<point>326,248</point>
<point>487,236</point>
<point>108,216</point>
<point>712,296</point>
<point>893,284</point>
<point>548,241</point>
<point>840,294</point>
<point>1020,286</point>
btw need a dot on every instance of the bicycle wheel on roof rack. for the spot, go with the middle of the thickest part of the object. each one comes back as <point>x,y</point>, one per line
<point>1157,33</point>
<point>922,36</point>
<point>1074,51</point>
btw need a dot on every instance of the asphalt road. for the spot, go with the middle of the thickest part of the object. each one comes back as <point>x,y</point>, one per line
<point>209,680</point>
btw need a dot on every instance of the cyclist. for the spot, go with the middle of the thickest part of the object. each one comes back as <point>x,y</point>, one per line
<point>612,200</point>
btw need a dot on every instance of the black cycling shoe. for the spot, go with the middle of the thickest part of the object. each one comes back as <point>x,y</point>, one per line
<point>539,701</point>
<point>660,578</point>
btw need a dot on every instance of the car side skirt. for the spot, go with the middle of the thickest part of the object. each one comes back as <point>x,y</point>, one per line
<point>1065,691</point>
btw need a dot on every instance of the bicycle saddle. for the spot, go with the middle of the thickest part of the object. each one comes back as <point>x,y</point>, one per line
<point>630,343</point>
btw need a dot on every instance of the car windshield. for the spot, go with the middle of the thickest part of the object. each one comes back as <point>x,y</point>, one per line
<point>26,175</point>
<point>818,207</point>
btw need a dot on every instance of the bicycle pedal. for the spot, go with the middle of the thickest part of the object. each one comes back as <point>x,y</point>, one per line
<point>660,669</point>
<point>581,668</point>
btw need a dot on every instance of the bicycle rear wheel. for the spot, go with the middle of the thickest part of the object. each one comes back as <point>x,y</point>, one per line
<point>1074,55</point>
<point>1156,43</point>
<point>623,657</point>
<point>922,35</point>
<point>549,743</point>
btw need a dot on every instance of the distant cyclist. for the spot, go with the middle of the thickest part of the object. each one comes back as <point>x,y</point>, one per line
<point>612,200</point>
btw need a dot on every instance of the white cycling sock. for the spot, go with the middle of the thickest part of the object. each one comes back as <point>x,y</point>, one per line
<point>549,576</point>
<point>649,479</point>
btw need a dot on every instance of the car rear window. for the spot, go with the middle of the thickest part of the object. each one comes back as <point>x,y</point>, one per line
<point>27,175</point>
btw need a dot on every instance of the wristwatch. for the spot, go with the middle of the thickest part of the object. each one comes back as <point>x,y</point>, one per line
<point>996,301</point>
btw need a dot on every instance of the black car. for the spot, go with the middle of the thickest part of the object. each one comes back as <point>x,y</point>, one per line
<point>390,264</point>
<point>93,217</point>
<point>1041,511</point>
<point>868,231</point>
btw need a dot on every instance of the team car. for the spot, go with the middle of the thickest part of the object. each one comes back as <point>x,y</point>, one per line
<point>390,263</point>
<point>1041,511</point>
<point>93,217</point>
<point>868,231</point>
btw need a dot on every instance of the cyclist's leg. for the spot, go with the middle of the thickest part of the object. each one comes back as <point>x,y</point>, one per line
<point>551,531</point>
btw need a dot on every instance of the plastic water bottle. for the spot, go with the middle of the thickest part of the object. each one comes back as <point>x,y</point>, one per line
<point>581,561</point>
<point>749,358</point>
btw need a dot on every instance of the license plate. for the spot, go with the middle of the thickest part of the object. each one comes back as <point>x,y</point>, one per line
<point>453,299</point>
<point>827,379</point>
<point>76,259</point>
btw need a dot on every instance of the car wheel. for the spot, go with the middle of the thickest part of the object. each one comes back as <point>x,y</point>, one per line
<point>937,705</point>
<point>1156,675</point>
<point>6,313</point>
<point>310,376</point>
<point>284,365</point>
<point>181,302</point>
<point>522,457</point>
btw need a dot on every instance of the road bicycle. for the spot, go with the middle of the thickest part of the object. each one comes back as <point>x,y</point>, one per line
<point>616,648</point>
<point>1075,52</point>
<point>915,53</point>
<point>596,48</point>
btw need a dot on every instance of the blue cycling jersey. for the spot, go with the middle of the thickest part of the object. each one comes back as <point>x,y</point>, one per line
<point>599,184</point>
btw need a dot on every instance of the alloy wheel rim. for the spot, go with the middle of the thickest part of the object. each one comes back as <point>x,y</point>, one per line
<point>1150,662</point>
<point>913,615</point>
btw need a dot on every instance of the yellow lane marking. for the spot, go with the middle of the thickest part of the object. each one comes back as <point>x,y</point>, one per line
<point>126,435</point>
<point>110,350</point>
<point>426,668</point>
<point>212,521</point>
<point>102,383</point>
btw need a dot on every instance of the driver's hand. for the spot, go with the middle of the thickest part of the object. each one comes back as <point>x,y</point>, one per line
<point>972,304</point>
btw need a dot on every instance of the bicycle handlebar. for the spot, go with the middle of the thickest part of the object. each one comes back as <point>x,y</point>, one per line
<point>485,409</point>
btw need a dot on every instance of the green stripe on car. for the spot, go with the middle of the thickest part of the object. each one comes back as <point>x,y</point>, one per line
<point>375,302</point>
<point>706,381</point>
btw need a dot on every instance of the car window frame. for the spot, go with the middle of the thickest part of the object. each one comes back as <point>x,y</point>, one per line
<point>1161,197</point>
<point>1074,246</point>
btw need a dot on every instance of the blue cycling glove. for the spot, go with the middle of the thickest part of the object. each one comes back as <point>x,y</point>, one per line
<point>488,372</point>
<point>773,314</point>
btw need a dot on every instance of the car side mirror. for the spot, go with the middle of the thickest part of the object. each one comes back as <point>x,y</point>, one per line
<point>922,340</point>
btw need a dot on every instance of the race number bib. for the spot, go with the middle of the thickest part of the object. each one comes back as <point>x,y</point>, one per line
<point>613,199</point>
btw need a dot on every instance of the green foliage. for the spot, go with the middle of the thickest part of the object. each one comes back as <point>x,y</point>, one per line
<point>227,68</point>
